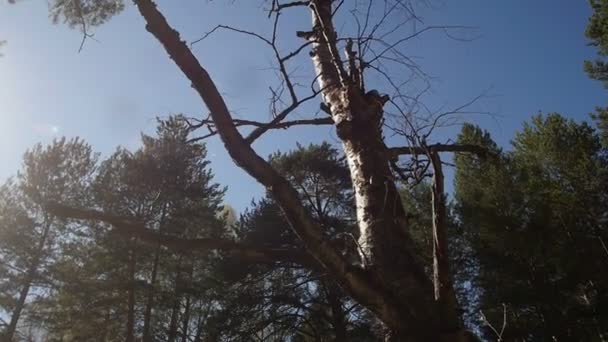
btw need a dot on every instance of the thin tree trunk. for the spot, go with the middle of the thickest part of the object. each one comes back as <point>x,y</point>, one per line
<point>30,275</point>
<point>186,320</point>
<point>200,324</point>
<point>172,333</point>
<point>150,298</point>
<point>339,319</point>
<point>106,321</point>
<point>445,295</point>
<point>199,330</point>
<point>131,296</point>
<point>173,323</point>
<point>151,289</point>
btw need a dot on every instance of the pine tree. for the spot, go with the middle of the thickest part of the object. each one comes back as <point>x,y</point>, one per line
<point>32,235</point>
<point>597,33</point>
<point>533,215</point>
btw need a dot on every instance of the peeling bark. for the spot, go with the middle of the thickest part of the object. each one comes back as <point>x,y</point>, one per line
<point>390,280</point>
<point>360,284</point>
<point>385,245</point>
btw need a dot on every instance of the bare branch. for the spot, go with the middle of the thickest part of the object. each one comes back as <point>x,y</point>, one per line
<point>281,60</point>
<point>277,7</point>
<point>278,118</point>
<point>134,228</point>
<point>504,323</point>
<point>230,28</point>
<point>83,27</point>
<point>202,137</point>
<point>287,124</point>
<point>354,280</point>
<point>295,52</point>
<point>422,150</point>
<point>262,125</point>
<point>414,35</point>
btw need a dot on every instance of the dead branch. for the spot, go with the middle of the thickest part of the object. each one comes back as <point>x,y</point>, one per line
<point>282,68</point>
<point>277,7</point>
<point>261,125</point>
<point>354,280</point>
<point>134,228</point>
<point>83,28</point>
<point>423,150</point>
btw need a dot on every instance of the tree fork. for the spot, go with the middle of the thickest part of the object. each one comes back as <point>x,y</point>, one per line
<point>386,247</point>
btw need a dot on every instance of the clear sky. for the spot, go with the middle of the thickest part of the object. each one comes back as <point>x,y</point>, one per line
<point>529,54</point>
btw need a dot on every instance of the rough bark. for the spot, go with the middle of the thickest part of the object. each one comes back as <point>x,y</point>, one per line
<point>390,280</point>
<point>445,295</point>
<point>385,244</point>
<point>399,311</point>
<point>30,276</point>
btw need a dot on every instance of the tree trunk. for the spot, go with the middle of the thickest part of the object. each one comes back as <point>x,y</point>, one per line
<point>390,280</point>
<point>30,275</point>
<point>150,298</point>
<point>131,296</point>
<point>106,322</point>
<point>186,320</point>
<point>385,244</point>
<point>199,330</point>
<point>339,319</point>
<point>173,323</point>
<point>445,295</point>
<point>172,333</point>
<point>198,336</point>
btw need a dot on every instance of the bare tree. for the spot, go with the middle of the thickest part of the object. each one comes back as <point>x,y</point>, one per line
<point>388,277</point>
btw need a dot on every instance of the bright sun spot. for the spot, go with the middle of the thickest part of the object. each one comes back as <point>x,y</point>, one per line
<point>47,129</point>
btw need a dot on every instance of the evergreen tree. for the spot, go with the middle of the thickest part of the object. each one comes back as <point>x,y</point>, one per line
<point>30,235</point>
<point>129,288</point>
<point>597,33</point>
<point>534,216</point>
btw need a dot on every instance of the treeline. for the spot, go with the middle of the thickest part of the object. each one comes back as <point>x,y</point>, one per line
<point>527,231</point>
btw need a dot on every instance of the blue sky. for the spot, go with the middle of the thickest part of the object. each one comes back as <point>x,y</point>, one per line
<point>528,54</point>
